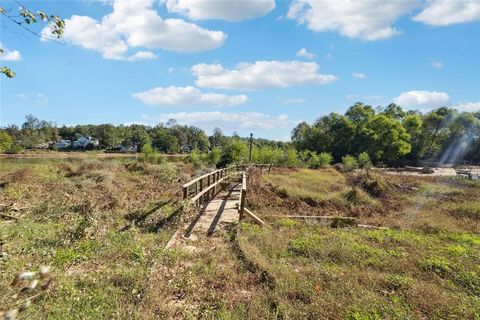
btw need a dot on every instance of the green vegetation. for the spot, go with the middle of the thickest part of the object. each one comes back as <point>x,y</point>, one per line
<point>362,135</point>
<point>349,162</point>
<point>367,274</point>
<point>24,17</point>
<point>392,134</point>
<point>95,222</point>
<point>425,266</point>
<point>312,185</point>
<point>103,224</point>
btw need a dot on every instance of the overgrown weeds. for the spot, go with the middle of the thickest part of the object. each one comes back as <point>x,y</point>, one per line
<point>75,211</point>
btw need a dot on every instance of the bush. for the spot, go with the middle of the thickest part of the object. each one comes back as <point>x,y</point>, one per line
<point>147,150</point>
<point>6,141</point>
<point>314,161</point>
<point>364,161</point>
<point>15,149</point>
<point>324,159</point>
<point>214,156</point>
<point>195,158</point>
<point>349,162</point>
<point>291,158</point>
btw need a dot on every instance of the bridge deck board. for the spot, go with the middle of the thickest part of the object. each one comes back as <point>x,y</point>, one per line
<point>217,213</point>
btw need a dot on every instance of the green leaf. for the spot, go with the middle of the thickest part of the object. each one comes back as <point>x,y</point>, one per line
<point>8,72</point>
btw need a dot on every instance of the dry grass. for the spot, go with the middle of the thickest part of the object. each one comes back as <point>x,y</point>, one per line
<point>325,273</point>
<point>80,217</point>
<point>426,267</point>
<point>102,225</point>
<point>311,185</point>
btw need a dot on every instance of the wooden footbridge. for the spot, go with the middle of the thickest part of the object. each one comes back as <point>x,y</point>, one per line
<point>220,199</point>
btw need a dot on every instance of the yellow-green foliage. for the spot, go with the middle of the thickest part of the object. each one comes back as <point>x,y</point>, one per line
<point>315,185</point>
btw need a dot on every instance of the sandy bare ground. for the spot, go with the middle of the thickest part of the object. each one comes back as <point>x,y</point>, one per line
<point>448,172</point>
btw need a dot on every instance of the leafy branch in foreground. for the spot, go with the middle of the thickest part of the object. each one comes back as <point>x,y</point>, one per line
<point>55,23</point>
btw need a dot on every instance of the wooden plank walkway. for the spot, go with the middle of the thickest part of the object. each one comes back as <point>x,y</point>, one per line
<point>214,215</point>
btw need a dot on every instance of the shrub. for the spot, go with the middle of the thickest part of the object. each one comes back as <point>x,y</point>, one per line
<point>325,159</point>
<point>291,157</point>
<point>349,162</point>
<point>147,150</point>
<point>195,158</point>
<point>364,161</point>
<point>313,161</point>
<point>214,156</point>
<point>6,141</point>
<point>374,184</point>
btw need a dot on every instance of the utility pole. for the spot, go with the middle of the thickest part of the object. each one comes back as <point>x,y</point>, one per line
<point>251,141</point>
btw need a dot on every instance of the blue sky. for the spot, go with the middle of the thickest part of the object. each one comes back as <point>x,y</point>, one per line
<point>240,65</point>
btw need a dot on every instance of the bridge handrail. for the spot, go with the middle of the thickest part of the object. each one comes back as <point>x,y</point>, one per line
<point>191,182</point>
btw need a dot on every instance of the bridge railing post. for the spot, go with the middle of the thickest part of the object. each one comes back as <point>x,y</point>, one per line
<point>243,195</point>
<point>207,195</point>
<point>201,189</point>
<point>185,192</point>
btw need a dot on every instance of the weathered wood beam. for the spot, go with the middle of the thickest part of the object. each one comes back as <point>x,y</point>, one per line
<point>252,216</point>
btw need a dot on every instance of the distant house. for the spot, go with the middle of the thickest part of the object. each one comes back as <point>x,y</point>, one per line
<point>123,148</point>
<point>63,144</point>
<point>43,145</point>
<point>186,148</point>
<point>85,142</point>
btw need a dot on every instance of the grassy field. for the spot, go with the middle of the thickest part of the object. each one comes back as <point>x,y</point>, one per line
<point>102,225</point>
<point>426,266</point>
<point>95,222</point>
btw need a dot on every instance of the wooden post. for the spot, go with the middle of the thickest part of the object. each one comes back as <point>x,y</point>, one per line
<point>196,192</point>
<point>201,189</point>
<point>243,195</point>
<point>185,192</point>
<point>208,185</point>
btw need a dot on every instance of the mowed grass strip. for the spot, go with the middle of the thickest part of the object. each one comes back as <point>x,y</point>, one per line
<point>311,185</point>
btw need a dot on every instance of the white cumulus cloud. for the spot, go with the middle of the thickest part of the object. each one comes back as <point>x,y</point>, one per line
<point>358,75</point>
<point>437,64</point>
<point>134,24</point>
<point>236,10</point>
<point>366,20</point>
<point>228,120</point>
<point>448,12</point>
<point>304,53</point>
<point>288,101</point>
<point>422,99</point>
<point>260,74</point>
<point>187,97</point>
<point>467,106</point>
<point>142,55</point>
<point>9,55</point>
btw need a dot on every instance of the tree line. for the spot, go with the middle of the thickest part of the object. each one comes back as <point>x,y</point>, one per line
<point>165,137</point>
<point>393,135</point>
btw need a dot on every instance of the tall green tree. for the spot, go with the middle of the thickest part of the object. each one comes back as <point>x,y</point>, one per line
<point>386,138</point>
